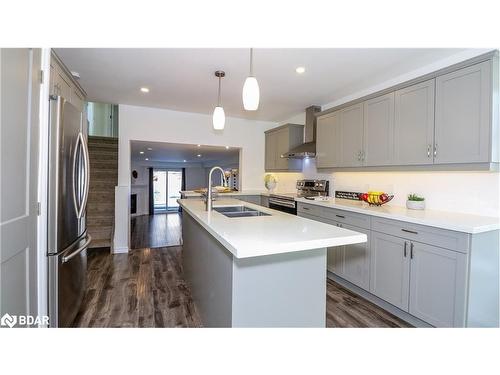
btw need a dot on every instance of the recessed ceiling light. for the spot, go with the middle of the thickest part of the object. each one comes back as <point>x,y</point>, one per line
<point>199,145</point>
<point>150,149</point>
<point>141,152</point>
<point>300,69</point>
<point>144,89</point>
<point>199,155</point>
<point>184,160</point>
<point>227,147</point>
<point>146,159</point>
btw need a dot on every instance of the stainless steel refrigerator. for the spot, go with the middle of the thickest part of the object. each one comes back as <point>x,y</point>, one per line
<point>68,193</point>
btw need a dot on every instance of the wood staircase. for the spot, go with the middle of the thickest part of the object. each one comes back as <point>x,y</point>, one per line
<point>103,155</point>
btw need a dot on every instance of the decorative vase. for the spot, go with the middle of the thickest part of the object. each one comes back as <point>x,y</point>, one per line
<point>415,205</point>
<point>270,185</point>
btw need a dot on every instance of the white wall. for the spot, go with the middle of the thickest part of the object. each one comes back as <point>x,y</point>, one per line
<point>160,125</point>
<point>469,192</point>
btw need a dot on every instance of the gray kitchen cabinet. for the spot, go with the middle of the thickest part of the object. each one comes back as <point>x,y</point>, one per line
<point>355,259</point>
<point>414,124</point>
<point>264,201</point>
<point>271,145</point>
<point>351,136</point>
<point>255,199</point>
<point>63,84</point>
<point>328,142</point>
<point>445,120</point>
<point>390,269</point>
<point>378,130</point>
<point>279,141</point>
<point>437,285</point>
<point>463,115</point>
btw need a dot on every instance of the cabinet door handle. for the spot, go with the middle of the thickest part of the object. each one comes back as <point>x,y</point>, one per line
<point>342,217</point>
<point>409,231</point>
<point>411,250</point>
<point>404,249</point>
<point>435,149</point>
<point>428,151</point>
<point>305,208</point>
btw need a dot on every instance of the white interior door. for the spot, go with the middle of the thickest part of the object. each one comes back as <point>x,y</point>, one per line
<point>19,119</point>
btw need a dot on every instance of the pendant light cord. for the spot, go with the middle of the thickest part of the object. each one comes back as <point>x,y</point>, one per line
<point>218,96</point>
<point>251,62</point>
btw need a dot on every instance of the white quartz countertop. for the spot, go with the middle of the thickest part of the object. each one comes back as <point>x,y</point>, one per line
<point>441,219</point>
<point>279,233</point>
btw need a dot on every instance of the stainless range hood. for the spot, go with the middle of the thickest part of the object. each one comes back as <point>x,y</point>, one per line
<point>308,148</point>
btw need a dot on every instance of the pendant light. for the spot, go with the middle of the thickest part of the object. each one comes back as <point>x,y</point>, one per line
<point>219,118</point>
<point>251,93</point>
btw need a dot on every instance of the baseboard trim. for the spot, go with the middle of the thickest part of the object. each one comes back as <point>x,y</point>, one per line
<point>379,302</point>
<point>120,250</point>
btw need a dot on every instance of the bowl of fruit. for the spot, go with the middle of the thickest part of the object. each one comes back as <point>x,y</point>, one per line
<point>375,198</point>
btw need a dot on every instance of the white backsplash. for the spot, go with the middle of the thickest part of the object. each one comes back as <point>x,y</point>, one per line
<point>468,192</point>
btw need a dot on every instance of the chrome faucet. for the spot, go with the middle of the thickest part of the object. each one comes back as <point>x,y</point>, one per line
<point>208,202</point>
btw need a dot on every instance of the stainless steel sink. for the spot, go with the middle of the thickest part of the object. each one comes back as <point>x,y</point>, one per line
<point>239,211</point>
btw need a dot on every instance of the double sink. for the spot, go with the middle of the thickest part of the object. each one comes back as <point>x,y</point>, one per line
<point>239,211</point>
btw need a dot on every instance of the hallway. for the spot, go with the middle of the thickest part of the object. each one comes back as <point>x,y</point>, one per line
<point>151,231</point>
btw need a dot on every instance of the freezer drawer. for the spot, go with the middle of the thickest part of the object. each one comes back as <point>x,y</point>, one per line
<point>67,282</point>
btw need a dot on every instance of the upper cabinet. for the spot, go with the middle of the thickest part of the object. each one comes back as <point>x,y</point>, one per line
<point>447,121</point>
<point>279,141</point>
<point>414,124</point>
<point>379,131</point>
<point>350,142</point>
<point>463,115</point>
<point>328,143</point>
<point>62,84</point>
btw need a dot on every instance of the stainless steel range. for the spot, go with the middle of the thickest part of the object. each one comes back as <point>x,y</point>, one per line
<point>285,202</point>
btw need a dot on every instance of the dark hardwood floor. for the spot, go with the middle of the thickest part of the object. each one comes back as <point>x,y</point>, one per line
<point>345,309</point>
<point>143,288</point>
<point>146,288</point>
<point>159,230</point>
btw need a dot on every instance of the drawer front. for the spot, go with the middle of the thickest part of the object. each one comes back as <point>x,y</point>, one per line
<point>347,217</point>
<point>447,239</point>
<point>309,209</point>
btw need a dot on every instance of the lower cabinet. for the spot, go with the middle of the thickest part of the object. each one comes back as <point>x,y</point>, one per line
<point>437,285</point>
<point>426,281</point>
<point>255,199</point>
<point>390,269</point>
<point>352,262</point>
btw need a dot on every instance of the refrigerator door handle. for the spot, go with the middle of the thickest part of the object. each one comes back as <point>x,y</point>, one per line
<point>87,173</point>
<point>80,206</point>
<point>86,244</point>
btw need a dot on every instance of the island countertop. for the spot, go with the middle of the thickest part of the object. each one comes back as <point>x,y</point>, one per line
<point>279,233</point>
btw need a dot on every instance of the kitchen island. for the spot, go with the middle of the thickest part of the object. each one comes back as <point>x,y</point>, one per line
<point>258,271</point>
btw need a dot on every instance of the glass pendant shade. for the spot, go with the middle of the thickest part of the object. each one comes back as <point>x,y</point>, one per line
<point>251,94</point>
<point>219,118</point>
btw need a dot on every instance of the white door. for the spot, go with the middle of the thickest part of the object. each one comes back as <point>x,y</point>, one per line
<point>19,117</point>
<point>390,269</point>
<point>437,285</point>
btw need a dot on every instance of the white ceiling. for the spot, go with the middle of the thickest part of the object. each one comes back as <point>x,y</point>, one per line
<point>183,79</point>
<point>177,153</point>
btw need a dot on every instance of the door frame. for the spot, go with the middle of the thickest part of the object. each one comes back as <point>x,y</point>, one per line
<point>43,181</point>
<point>161,169</point>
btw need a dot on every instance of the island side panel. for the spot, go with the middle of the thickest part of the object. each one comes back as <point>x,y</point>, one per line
<point>283,290</point>
<point>484,280</point>
<point>208,270</point>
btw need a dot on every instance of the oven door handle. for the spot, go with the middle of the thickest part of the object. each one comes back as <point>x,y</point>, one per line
<point>280,202</point>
